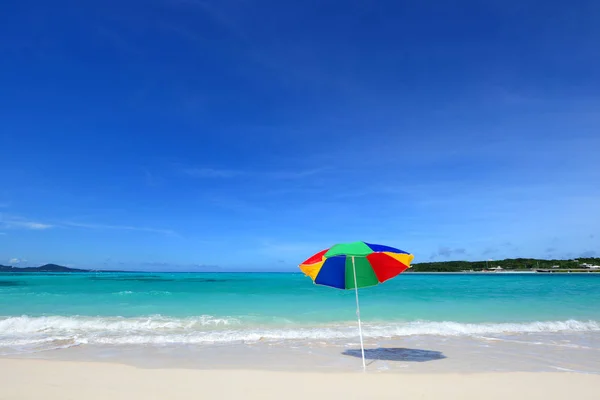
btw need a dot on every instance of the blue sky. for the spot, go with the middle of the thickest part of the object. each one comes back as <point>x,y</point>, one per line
<point>192,135</point>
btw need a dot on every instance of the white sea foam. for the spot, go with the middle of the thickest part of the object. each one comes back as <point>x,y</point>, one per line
<point>25,324</point>
<point>41,333</point>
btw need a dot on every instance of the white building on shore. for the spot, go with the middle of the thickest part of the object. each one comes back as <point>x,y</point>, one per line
<point>590,266</point>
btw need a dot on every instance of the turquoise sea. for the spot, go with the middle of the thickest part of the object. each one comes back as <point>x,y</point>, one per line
<point>41,312</point>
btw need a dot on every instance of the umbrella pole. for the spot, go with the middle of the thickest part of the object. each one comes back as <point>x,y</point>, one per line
<point>362,347</point>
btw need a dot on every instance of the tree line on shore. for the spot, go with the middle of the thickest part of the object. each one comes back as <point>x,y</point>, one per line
<point>507,264</point>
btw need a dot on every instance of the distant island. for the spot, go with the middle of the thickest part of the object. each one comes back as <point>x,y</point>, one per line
<point>43,268</point>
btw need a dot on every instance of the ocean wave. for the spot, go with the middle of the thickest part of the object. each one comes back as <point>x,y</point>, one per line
<point>41,333</point>
<point>449,328</point>
<point>26,324</point>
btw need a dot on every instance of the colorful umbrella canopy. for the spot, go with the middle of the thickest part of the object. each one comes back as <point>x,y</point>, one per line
<point>373,264</point>
<point>356,265</point>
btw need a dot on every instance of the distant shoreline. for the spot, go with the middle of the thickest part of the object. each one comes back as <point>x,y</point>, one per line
<point>289,273</point>
<point>503,267</point>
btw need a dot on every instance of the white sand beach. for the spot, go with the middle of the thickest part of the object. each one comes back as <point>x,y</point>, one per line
<point>62,380</point>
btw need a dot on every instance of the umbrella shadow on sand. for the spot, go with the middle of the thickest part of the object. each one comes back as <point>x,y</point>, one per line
<point>396,354</point>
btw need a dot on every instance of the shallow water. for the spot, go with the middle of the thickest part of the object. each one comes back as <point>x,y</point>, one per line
<point>529,322</point>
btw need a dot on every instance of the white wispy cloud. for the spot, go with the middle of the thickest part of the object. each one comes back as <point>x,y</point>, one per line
<point>446,252</point>
<point>117,227</point>
<point>14,222</point>
<point>150,178</point>
<point>295,174</point>
<point>299,249</point>
<point>213,173</point>
<point>202,172</point>
<point>17,222</point>
<point>15,261</point>
<point>236,204</point>
<point>31,225</point>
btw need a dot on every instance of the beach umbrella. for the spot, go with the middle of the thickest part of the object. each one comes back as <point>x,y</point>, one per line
<point>356,265</point>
